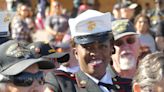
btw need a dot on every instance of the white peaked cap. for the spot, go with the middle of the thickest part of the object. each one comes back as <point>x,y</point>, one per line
<point>90,22</point>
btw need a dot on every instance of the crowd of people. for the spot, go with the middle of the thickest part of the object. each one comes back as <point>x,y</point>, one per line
<point>83,51</point>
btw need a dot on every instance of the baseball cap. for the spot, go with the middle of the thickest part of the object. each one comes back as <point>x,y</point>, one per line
<point>83,8</point>
<point>41,48</point>
<point>90,26</point>
<point>15,58</point>
<point>129,4</point>
<point>117,6</point>
<point>122,27</point>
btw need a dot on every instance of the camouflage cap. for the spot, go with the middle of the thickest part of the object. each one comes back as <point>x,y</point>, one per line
<point>122,27</point>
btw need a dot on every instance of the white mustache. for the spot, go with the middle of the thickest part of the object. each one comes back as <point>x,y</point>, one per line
<point>127,62</point>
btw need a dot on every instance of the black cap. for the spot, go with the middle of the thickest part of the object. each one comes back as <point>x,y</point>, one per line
<point>129,4</point>
<point>40,49</point>
<point>117,6</point>
<point>15,58</point>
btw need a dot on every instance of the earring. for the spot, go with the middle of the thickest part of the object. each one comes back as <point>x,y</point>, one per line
<point>113,50</point>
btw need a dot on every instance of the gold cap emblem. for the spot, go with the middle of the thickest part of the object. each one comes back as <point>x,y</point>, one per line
<point>91,25</point>
<point>7,17</point>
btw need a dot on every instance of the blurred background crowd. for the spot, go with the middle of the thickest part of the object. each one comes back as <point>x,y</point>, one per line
<point>44,24</point>
<point>47,20</point>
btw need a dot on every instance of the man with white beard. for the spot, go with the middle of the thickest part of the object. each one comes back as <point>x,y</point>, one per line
<point>127,48</point>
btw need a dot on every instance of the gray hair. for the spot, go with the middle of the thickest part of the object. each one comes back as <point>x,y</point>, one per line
<point>150,71</point>
<point>3,87</point>
<point>2,84</point>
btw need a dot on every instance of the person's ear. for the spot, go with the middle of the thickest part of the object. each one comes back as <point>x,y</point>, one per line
<point>75,53</point>
<point>136,87</point>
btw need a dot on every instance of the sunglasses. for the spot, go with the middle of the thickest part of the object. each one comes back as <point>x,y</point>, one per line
<point>26,79</point>
<point>146,22</point>
<point>25,9</point>
<point>129,40</point>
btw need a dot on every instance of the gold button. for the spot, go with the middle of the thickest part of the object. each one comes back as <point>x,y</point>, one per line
<point>117,86</point>
<point>72,75</point>
<point>114,79</point>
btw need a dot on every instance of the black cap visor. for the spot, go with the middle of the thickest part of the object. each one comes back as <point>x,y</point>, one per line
<point>101,37</point>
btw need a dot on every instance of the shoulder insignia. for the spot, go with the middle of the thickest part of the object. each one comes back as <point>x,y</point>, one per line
<point>65,74</point>
<point>81,83</point>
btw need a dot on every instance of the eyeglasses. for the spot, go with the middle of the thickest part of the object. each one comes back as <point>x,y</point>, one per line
<point>129,40</point>
<point>25,9</point>
<point>26,79</point>
<point>146,22</point>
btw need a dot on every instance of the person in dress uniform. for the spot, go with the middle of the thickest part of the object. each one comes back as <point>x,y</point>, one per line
<point>92,45</point>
